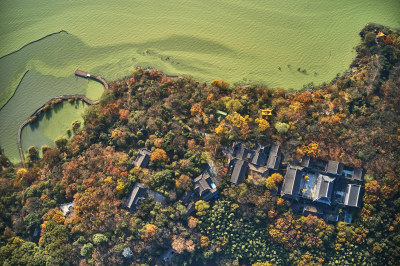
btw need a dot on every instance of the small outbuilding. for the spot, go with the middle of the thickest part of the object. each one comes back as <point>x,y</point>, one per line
<point>204,186</point>
<point>142,159</point>
<point>140,192</point>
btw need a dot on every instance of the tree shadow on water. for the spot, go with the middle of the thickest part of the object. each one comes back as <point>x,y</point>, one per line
<point>77,104</point>
<point>57,107</point>
<point>34,125</point>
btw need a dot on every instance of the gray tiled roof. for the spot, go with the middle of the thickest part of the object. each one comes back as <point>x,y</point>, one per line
<point>353,194</point>
<point>323,190</point>
<point>189,209</point>
<point>143,158</point>
<point>202,186</point>
<point>156,196</point>
<point>239,172</point>
<point>138,193</point>
<point>358,174</point>
<point>259,158</point>
<point>291,182</point>
<point>274,158</point>
<point>306,161</point>
<point>334,167</point>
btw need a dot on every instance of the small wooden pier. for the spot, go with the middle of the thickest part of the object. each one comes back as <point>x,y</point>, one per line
<point>82,74</point>
<point>86,75</point>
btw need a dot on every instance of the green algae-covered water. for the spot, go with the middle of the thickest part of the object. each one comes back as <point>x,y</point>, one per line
<point>239,41</point>
<point>53,124</point>
<point>34,90</point>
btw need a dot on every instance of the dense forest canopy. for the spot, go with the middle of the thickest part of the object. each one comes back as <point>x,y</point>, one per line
<point>353,119</point>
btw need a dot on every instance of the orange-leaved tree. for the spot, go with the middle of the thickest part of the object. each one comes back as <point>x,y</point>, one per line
<point>159,155</point>
<point>149,232</point>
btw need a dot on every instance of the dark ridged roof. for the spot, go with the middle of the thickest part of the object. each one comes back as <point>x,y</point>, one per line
<point>239,172</point>
<point>274,158</point>
<point>202,186</point>
<point>138,193</point>
<point>143,158</point>
<point>323,190</point>
<point>291,182</point>
<point>334,167</point>
<point>353,193</point>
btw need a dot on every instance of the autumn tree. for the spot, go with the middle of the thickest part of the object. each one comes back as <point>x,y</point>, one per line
<point>76,125</point>
<point>221,84</point>
<point>235,126</point>
<point>196,109</point>
<point>123,114</point>
<point>308,150</point>
<point>180,244</point>
<point>204,241</point>
<point>191,143</point>
<point>55,215</point>
<point>45,148</point>
<point>273,180</point>
<point>159,155</point>
<point>262,124</point>
<point>281,128</point>
<point>192,222</point>
<point>33,154</point>
<point>149,232</point>
<point>266,263</point>
<point>158,142</point>
<point>99,239</point>
<point>61,143</point>
<point>233,105</point>
<point>184,182</point>
<point>201,207</point>
<point>55,241</point>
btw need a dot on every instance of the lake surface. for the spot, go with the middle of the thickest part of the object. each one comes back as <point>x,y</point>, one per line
<point>34,90</point>
<point>52,124</point>
<point>239,41</point>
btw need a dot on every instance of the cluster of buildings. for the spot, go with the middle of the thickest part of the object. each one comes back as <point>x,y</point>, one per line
<point>204,187</point>
<point>327,189</point>
<point>139,191</point>
<point>262,160</point>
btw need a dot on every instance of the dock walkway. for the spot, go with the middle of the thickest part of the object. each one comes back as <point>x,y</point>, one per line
<point>100,79</point>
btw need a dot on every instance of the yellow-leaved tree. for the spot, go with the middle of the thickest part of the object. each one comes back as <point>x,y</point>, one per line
<point>234,124</point>
<point>201,207</point>
<point>262,124</point>
<point>273,180</point>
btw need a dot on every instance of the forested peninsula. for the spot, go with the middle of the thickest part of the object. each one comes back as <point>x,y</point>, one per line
<point>159,135</point>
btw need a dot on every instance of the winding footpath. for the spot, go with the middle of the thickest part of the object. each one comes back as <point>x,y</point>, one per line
<point>61,97</point>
